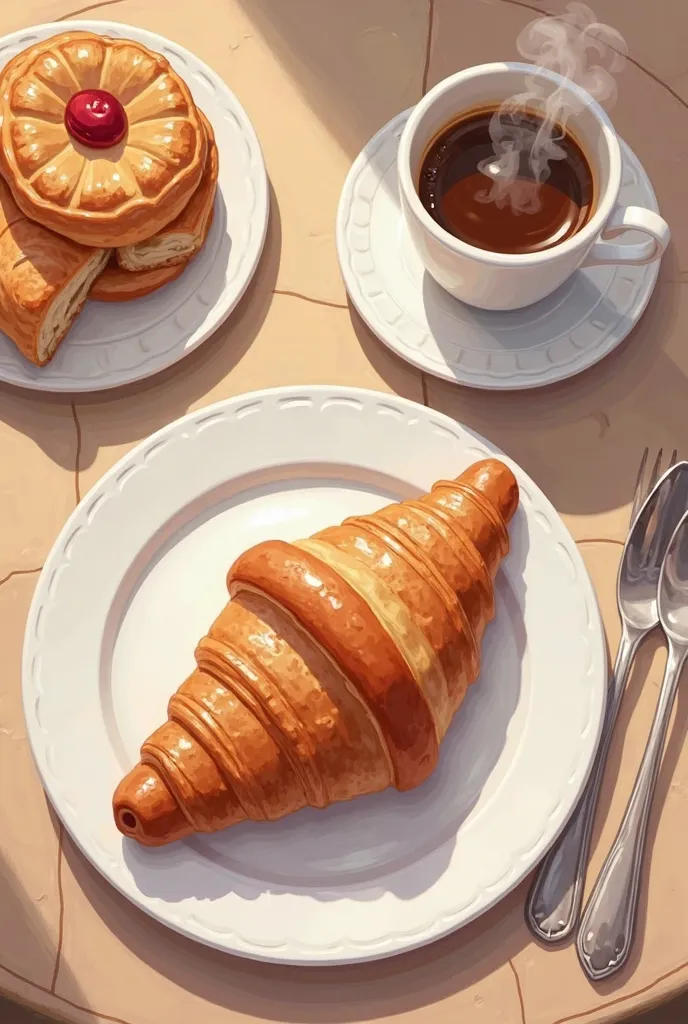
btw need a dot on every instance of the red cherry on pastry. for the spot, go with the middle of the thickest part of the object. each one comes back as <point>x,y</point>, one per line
<point>96,118</point>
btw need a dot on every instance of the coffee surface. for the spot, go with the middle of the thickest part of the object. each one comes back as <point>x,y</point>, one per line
<point>456,193</point>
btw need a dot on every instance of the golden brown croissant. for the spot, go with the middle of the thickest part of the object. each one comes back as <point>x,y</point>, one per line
<point>336,668</point>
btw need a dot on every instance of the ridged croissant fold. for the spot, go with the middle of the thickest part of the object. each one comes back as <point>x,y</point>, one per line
<point>335,669</point>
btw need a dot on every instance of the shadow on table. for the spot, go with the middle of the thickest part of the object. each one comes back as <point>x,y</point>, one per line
<point>314,995</point>
<point>31,943</point>
<point>581,440</point>
<point>358,65</point>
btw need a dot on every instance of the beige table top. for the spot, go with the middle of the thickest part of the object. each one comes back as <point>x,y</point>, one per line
<point>318,78</point>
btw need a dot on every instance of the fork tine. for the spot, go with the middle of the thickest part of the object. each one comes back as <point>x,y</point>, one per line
<point>674,458</point>
<point>639,494</point>
<point>654,477</point>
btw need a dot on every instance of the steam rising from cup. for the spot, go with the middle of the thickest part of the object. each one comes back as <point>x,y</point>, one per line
<point>582,50</point>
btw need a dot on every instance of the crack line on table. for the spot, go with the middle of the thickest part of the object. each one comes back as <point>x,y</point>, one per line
<point>309,298</point>
<point>632,60</point>
<point>518,990</point>
<point>60,895</point>
<point>19,572</point>
<point>428,46</point>
<point>621,999</point>
<point>77,459</point>
<point>91,7</point>
<point>20,977</point>
<point>61,999</point>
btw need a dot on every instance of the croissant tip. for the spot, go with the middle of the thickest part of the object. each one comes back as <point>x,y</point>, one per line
<point>497,482</point>
<point>145,810</point>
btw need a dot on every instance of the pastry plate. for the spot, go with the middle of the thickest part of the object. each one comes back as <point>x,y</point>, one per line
<point>138,574</point>
<point>117,343</point>
<point>563,334</point>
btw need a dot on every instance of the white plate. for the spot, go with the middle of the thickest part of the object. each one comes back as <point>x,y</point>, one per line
<point>567,332</point>
<point>136,577</point>
<point>117,343</point>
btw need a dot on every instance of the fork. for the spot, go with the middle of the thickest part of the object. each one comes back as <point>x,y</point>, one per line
<point>554,902</point>
<point>641,492</point>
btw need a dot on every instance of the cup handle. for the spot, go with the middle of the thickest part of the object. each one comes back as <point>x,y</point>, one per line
<point>630,218</point>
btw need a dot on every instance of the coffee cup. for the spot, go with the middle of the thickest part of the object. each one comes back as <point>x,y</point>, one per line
<point>494,280</point>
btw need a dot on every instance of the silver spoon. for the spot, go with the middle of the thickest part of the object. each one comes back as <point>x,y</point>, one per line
<point>606,932</point>
<point>554,902</point>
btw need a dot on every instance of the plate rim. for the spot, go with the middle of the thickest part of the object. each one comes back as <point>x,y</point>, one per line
<point>300,956</point>
<point>154,41</point>
<point>412,356</point>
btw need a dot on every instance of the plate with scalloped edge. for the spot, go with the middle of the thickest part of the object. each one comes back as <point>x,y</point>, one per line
<point>134,580</point>
<point>111,344</point>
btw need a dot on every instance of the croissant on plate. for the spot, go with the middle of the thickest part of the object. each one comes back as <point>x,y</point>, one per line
<point>335,669</point>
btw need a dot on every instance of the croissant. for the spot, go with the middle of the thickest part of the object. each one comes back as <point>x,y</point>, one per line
<point>335,669</point>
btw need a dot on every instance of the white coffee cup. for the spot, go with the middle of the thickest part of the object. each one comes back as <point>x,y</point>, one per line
<point>493,280</point>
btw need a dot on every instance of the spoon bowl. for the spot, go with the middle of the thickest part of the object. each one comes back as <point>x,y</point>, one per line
<point>638,579</point>
<point>673,588</point>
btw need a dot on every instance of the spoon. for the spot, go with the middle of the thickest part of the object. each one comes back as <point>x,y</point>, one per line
<point>606,933</point>
<point>554,902</point>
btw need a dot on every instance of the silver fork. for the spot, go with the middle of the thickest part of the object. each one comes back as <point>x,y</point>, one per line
<point>554,902</point>
<point>641,490</point>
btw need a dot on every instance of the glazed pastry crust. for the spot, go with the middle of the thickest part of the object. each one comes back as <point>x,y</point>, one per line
<point>105,197</point>
<point>44,281</point>
<point>335,669</point>
<point>185,236</point>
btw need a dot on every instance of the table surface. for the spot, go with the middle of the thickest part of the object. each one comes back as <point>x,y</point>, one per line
<point>318,78</point>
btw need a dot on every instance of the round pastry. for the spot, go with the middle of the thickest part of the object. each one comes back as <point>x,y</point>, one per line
<point>100,139</point>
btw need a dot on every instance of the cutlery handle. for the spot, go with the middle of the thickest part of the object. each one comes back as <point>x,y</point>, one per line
<point>554,902</point>
<point>606,932</point>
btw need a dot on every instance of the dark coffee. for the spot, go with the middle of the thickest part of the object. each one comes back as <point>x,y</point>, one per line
<point>456,193</point>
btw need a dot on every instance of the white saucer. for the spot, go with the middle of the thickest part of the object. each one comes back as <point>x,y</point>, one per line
<point>549,341</point>
<point>117,343</point>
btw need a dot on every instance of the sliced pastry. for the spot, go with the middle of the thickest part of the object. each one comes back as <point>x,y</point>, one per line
<point>117,285</point>
<point>45,280</point>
